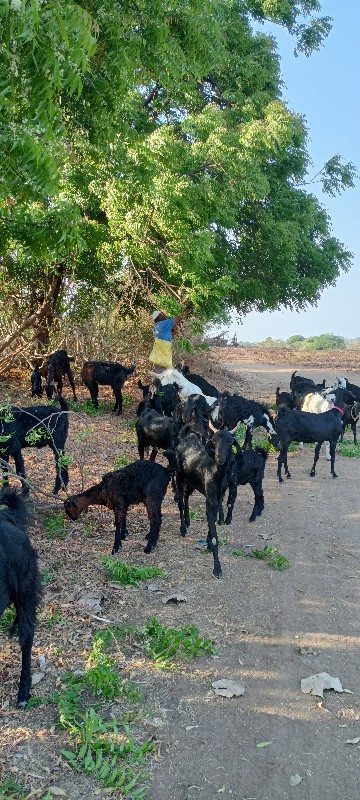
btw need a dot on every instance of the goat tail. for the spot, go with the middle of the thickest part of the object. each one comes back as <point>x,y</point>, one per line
<point>63,404</point>
<point>15,504</point>
<point>292,379</point>
<point>171,457</point>
<point>261,452</point>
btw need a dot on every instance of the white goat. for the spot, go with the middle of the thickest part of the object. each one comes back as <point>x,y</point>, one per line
<point>186,388</point>
<point>317,404</point>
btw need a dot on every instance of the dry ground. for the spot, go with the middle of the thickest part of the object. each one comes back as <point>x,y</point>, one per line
<point>259,618</point>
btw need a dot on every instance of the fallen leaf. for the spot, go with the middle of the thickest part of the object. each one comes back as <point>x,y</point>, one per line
<point>316,684</point>
<point>263,744</point>
<point>308,651</point>
<point>152,588</point>
<point>228,688</point>
<point>36,678</point>
<point>57,791</point>
<point>353,741</point>
<point>220,791</point>
<point>190,727</point>
<point>295,779</point>
<point>174,598</point>
<point>92,601</point>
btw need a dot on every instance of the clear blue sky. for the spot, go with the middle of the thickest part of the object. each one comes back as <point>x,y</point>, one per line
<point>325,88</point>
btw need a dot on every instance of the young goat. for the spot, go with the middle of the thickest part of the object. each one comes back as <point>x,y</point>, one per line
<point>196,411</point>
<point>351,417</point>
<point>249,467</point>
<point>36,383</point>
<point>36,426</point>
<point>283,398</point>
<point>196,470</point>
<point>140,482</point>
<point>167,395</point>
<point>106,373</point>
<point>157,431</point>
<point>57,366</point>
<point>302,426</point>
<point>234,409</point>
<point>19,580</point>
<point>198,380</point>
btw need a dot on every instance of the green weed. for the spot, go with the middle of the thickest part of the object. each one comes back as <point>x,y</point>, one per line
<point>121,461</point>
<point>162,644</point>
<point>197,514</point>
<point>11,791</point>
<point>128,575</point>
<point>55,525</point>
<point>272,557</point>
<point>55,618</point>
<point>46,578</point>
<point>349,449</point>
<point>7,620</point>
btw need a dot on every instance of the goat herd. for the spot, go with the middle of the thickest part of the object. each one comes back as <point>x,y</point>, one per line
<point>193,423</point>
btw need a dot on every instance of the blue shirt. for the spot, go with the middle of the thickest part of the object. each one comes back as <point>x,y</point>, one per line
<point>163,330</point>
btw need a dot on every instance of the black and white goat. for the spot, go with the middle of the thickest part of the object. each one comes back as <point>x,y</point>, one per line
<point>196,470</point>
<point>302,426</point>
<point>19,580</point>
<point>233,409</point>
<point>207,388</point>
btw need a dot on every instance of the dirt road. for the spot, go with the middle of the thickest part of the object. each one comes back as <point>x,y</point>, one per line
<point>259,618</point>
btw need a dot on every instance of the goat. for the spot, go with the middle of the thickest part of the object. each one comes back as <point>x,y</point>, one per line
<point>156,430</point>
<point>351,417</point>
<point>167,395</point>
<point>283,398</point>
<point>352,387</point>
<point>36,426</point>
<point>19,581</point>
<point>140,482</point>
<point>249,467</point>
<point>302,426</point>
<point>151,401</point>
<point>186,388</point>
<point>198,380</point>
<point>317,404</point>
<point>297,380</point>
<point>56,367</point>
<point>36,383</point>
<point>106,373</point>
<point>234,409</point>
<point>196,411</point>
<point>196,470</point>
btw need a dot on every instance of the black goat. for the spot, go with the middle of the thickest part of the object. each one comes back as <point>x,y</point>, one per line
<point>151,401</point>
<point>206,387</point>
<point>351,387</point>
<point>106,373</point>
<point>19,580</point>
<point>249,467</point>
<point>234,409</point>
<point>167,395</point>
<point>296,380</point>
<point>156,430</point>
<point>195,410</point>
<point>36,426</point>
<point>302,426</point>
<point>283,398</point>
<point>351,417</point>
<point>57,366</point>
<point>196,470</point>
<point>139,482</point>
<point>36,383</point>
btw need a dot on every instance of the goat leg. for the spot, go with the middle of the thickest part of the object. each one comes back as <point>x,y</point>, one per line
<point>180,502</point>
<point>120,527</point>
<point>72,383</point>
<point>212,539</point>
<point>25,677</point>
<point>231,501</point>
<point>316,458</point>
<point>353,428</point>
<point>187,494</point>
<point>20,469</point>
<point>281,459</point>
<point>332,455</point>
<point>258,501</point>
<point>154,513</point>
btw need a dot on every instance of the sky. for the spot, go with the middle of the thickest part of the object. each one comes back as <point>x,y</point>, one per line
<point>325,89</point>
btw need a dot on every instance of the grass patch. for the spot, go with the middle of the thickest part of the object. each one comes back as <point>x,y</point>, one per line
<point>163,644</point>
<point>350,450</point>
<point>55,525</point>
<point>197,514</point>
<point>121,461</point>
<point>7,620</point>
<point>11,791</point>
<point>272,557</point>
<point>46,578</point>
<point>128,575</point>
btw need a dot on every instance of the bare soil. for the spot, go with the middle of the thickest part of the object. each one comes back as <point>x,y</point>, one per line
<point>259,618</point>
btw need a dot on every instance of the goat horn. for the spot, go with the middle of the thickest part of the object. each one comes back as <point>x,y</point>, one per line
<point>237,426</point>
<point>212,427</point>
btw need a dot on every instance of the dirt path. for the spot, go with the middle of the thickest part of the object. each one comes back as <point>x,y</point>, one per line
<point>259,618</point>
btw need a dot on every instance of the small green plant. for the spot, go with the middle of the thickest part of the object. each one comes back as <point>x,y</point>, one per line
<point>130,424</point>
<point>349,449</point>
<point>121,461</point>
<point>11,791</point>
<point>272,556</point>
<point>7,620</point>
<point>128,575</point>
<point>163,644</point>
<point>55,618</point>
<point>197,514</point>
<point>46,578</point>
<point>55,525</point>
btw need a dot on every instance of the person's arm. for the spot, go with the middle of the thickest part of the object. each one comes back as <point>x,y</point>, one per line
<point>179,317</point>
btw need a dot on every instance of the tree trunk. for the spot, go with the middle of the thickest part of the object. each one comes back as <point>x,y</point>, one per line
<point>48,300</point>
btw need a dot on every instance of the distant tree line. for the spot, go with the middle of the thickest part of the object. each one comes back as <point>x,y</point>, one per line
<point>325,341</point>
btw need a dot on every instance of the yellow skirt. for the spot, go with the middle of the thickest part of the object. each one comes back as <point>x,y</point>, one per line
<point>161,354</point>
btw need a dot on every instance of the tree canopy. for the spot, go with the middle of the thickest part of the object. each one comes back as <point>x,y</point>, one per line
<point>147,153</point>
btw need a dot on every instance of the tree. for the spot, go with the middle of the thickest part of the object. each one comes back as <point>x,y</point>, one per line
<point>156,159</point>
<point>325,341</point>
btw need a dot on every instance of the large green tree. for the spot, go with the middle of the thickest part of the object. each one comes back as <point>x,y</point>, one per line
<point>148,152</point>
